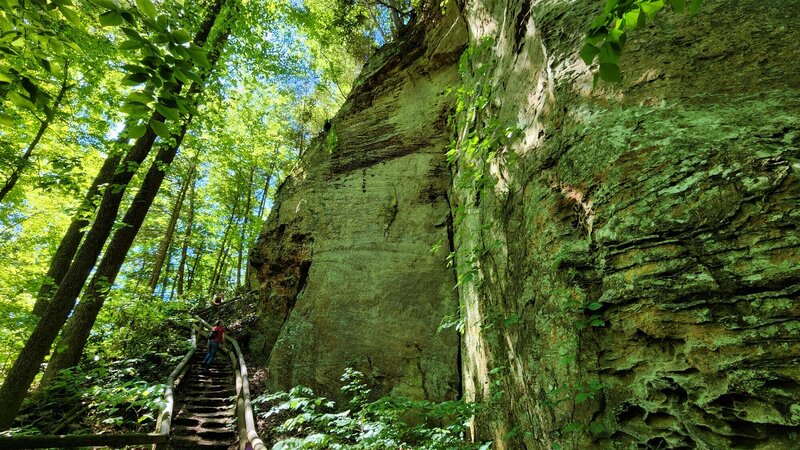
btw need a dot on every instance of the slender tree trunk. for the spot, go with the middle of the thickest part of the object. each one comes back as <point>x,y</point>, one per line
<point>223,248</point>
<point>222,275</point>
<point>37,347</point>
<point>271,172</point>
<point>245,222</point>
<point>167,268</point>
<point>262,206</point>
<point>23,161</point>
<point>193,269</point>
<point>186,238</point>
<point>166,241</point>
<point>61,260</point>
<point>78,328</point>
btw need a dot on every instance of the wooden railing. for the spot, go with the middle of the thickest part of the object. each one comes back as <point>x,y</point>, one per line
<point>159,439</point>
<point>248,436</point>
<point>164,424</point>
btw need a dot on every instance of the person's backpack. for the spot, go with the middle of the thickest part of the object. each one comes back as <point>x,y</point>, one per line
<point>213,333</point>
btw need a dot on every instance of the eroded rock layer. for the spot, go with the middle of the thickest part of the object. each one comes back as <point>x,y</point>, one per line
<point>639,254</point>
<point>352,258</point>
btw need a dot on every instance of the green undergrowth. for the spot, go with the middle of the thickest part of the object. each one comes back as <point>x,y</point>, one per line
<point>97,397</point>
<point>118,386</point>
<point>299,419</point>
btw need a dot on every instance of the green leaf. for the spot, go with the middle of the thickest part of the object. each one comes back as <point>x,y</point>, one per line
<point>20,101</point>
<point>180,75</point>
<point>111,18</point>
<point>583,396</point>
<point>131,45</point>
<point>135,78</point>
<point>588,52</point>
<point>139,97</point>
<point>136,131</point>
<point>160,129</point>
<point>135,109</point>
<point>70,15</point>
<point>610,5</point>
<point>6,78</point>
<point>107,4</point>
<point>609,53</point>
<point>147,8</point>
<point>694,6</point>
<point>632,18</point>
<point>598,323</point>
<point>652,8</point>
<point>169,113</point>
<point>181,36</point>
<point>610,72</point>
<point>46,65</point>
<point>571,427</point>
<point>163,22</point>
<point>6,120</point>
<point>131,33</point>
<point>594,306</point>
<point>198,55</point>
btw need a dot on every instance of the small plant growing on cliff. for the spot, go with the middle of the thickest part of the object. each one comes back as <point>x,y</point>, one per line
<point>609,31</point>
<point>311,422</point>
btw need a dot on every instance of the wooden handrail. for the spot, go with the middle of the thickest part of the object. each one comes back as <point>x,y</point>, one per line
<point>82,440</point>
<point>244,410</point>
<point>164,423</point>
<point>159,439</point>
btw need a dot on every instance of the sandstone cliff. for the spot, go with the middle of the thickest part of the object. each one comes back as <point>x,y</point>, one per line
<point>351,260</point>
<point>628,256</point>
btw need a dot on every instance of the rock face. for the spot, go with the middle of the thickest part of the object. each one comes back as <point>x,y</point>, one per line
<point>352,258</point>
<point>635,246</point>
<point>628,256</point>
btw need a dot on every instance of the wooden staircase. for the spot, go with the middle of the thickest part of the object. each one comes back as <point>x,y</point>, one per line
<point>205,409</point>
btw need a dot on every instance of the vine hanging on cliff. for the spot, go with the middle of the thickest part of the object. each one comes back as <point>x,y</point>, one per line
<point>609,31</point>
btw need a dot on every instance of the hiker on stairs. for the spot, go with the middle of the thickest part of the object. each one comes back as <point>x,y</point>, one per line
<point>214,341</point>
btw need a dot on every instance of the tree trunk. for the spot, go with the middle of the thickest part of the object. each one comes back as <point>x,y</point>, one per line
<point>271,172</point>
<point>166,241</point>
<point>218,266</point>
<point>245,221</point>
<point>61,260</point>
<point>193,269</point>
<point>165,272</point>
<point>38,345</point>
<point>23,161</point>
<point>186,237</point>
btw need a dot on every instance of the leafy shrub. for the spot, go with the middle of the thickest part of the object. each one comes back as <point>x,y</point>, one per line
<point>311,422</point>
<point>92,397</point>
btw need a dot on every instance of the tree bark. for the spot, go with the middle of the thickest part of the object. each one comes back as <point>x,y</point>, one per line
<point>245,221</point>
<point>23,161</point>
<point>62,258</point>
<point>166,242</point>
<point>218,266</point>
<point>193,269</point>
<point>186,238</point>
<point>38,345</point>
